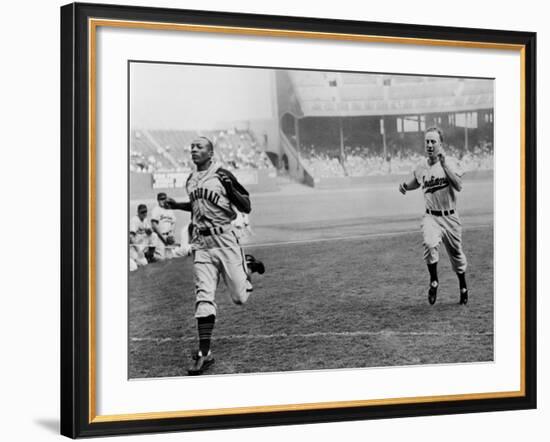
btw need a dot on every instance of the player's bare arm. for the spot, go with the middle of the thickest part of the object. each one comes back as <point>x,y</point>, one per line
<point>454,179</point>
<point>409,185</point>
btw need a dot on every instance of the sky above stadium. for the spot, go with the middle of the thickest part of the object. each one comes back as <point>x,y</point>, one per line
<point>185,97</point>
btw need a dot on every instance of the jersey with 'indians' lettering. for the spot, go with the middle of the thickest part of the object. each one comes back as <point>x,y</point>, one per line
<point>166,219</point>
<point>437,190</point>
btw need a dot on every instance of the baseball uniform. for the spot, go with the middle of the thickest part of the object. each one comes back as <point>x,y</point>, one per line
<point>218,253</point>
<point>166,220</point>
<point>441,221</point>
<point>141,240</point>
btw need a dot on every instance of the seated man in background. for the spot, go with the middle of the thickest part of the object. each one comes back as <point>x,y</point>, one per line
<point>140,238</point>
<point>163,222</point>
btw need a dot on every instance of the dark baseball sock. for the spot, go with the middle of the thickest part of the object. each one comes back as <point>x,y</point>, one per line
<point>462,280</point>
<point>432,268</point>
<point>205,327</point>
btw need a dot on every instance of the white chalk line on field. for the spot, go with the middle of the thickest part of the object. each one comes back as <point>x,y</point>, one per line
<point>383,333</point>
<point>341,238</point>
<point>353,237</point>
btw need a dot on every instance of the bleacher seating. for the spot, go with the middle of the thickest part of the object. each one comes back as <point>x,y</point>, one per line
<point>358,93</point>
<point>423,90</point>
<point>408,79</point>
<point>315,93</point>
<point>352,78</point>
<point>477,87</point>
<point>348,107</point>
<point>321,166</point>
<point>327,93</point>
<point>308,78</point>
<point>169,150</point>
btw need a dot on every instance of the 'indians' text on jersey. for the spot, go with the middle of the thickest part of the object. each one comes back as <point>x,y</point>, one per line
<point>437,190</point>
<point>166,219</point>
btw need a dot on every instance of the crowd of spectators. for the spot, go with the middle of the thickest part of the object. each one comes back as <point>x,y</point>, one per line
<point>478,158</point>
<point>365,161</point>
<point>323,166</point>
<point>239,150</point>
<point>169,151</point>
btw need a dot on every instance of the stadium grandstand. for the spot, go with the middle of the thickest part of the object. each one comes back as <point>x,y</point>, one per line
<point>168,150</point>
<point>352,125</point>
<point>324,126</point>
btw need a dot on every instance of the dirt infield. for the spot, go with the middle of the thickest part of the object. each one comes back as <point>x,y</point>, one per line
<point>345,287</point>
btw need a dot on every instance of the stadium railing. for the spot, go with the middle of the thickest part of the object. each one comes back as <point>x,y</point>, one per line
<point>296,168</point>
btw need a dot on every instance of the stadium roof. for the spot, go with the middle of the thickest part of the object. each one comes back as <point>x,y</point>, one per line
<point>352,94</point>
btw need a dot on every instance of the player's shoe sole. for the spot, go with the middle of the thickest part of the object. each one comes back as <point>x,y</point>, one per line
<point>255,265</point>
<point>200,364</point>
<point>432,293</point>
<point>463,297</point>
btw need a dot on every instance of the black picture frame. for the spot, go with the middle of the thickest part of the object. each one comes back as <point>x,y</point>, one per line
<point>77,250</point>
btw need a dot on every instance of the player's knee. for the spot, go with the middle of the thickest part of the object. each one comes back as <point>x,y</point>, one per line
<point>241,297</point>
<point>431,242</point>
<point>204,308</point>
<point>429,246</point>
<point>431,260</point>
<point>431,254</point>
<point>461,267</point>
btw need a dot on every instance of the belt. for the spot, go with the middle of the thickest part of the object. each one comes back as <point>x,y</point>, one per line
<point>440,212</point>
<point>214,231</point>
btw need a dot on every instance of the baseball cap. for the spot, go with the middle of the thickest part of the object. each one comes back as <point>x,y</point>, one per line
<point>161,196</point>
<point>142,208</point>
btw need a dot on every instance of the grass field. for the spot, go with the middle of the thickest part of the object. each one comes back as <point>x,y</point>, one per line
<point>342,291</point>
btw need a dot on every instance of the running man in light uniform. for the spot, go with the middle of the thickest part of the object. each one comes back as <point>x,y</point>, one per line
<point>440,179</point>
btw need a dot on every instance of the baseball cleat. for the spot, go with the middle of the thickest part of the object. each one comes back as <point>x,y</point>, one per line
<point>463,296</point>
<point>200,363</point>
<point>432,292</point>
<point>254,265</point>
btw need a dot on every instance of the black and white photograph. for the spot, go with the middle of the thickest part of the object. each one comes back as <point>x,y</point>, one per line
<point>294,220</point>
<point>273,220</point>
